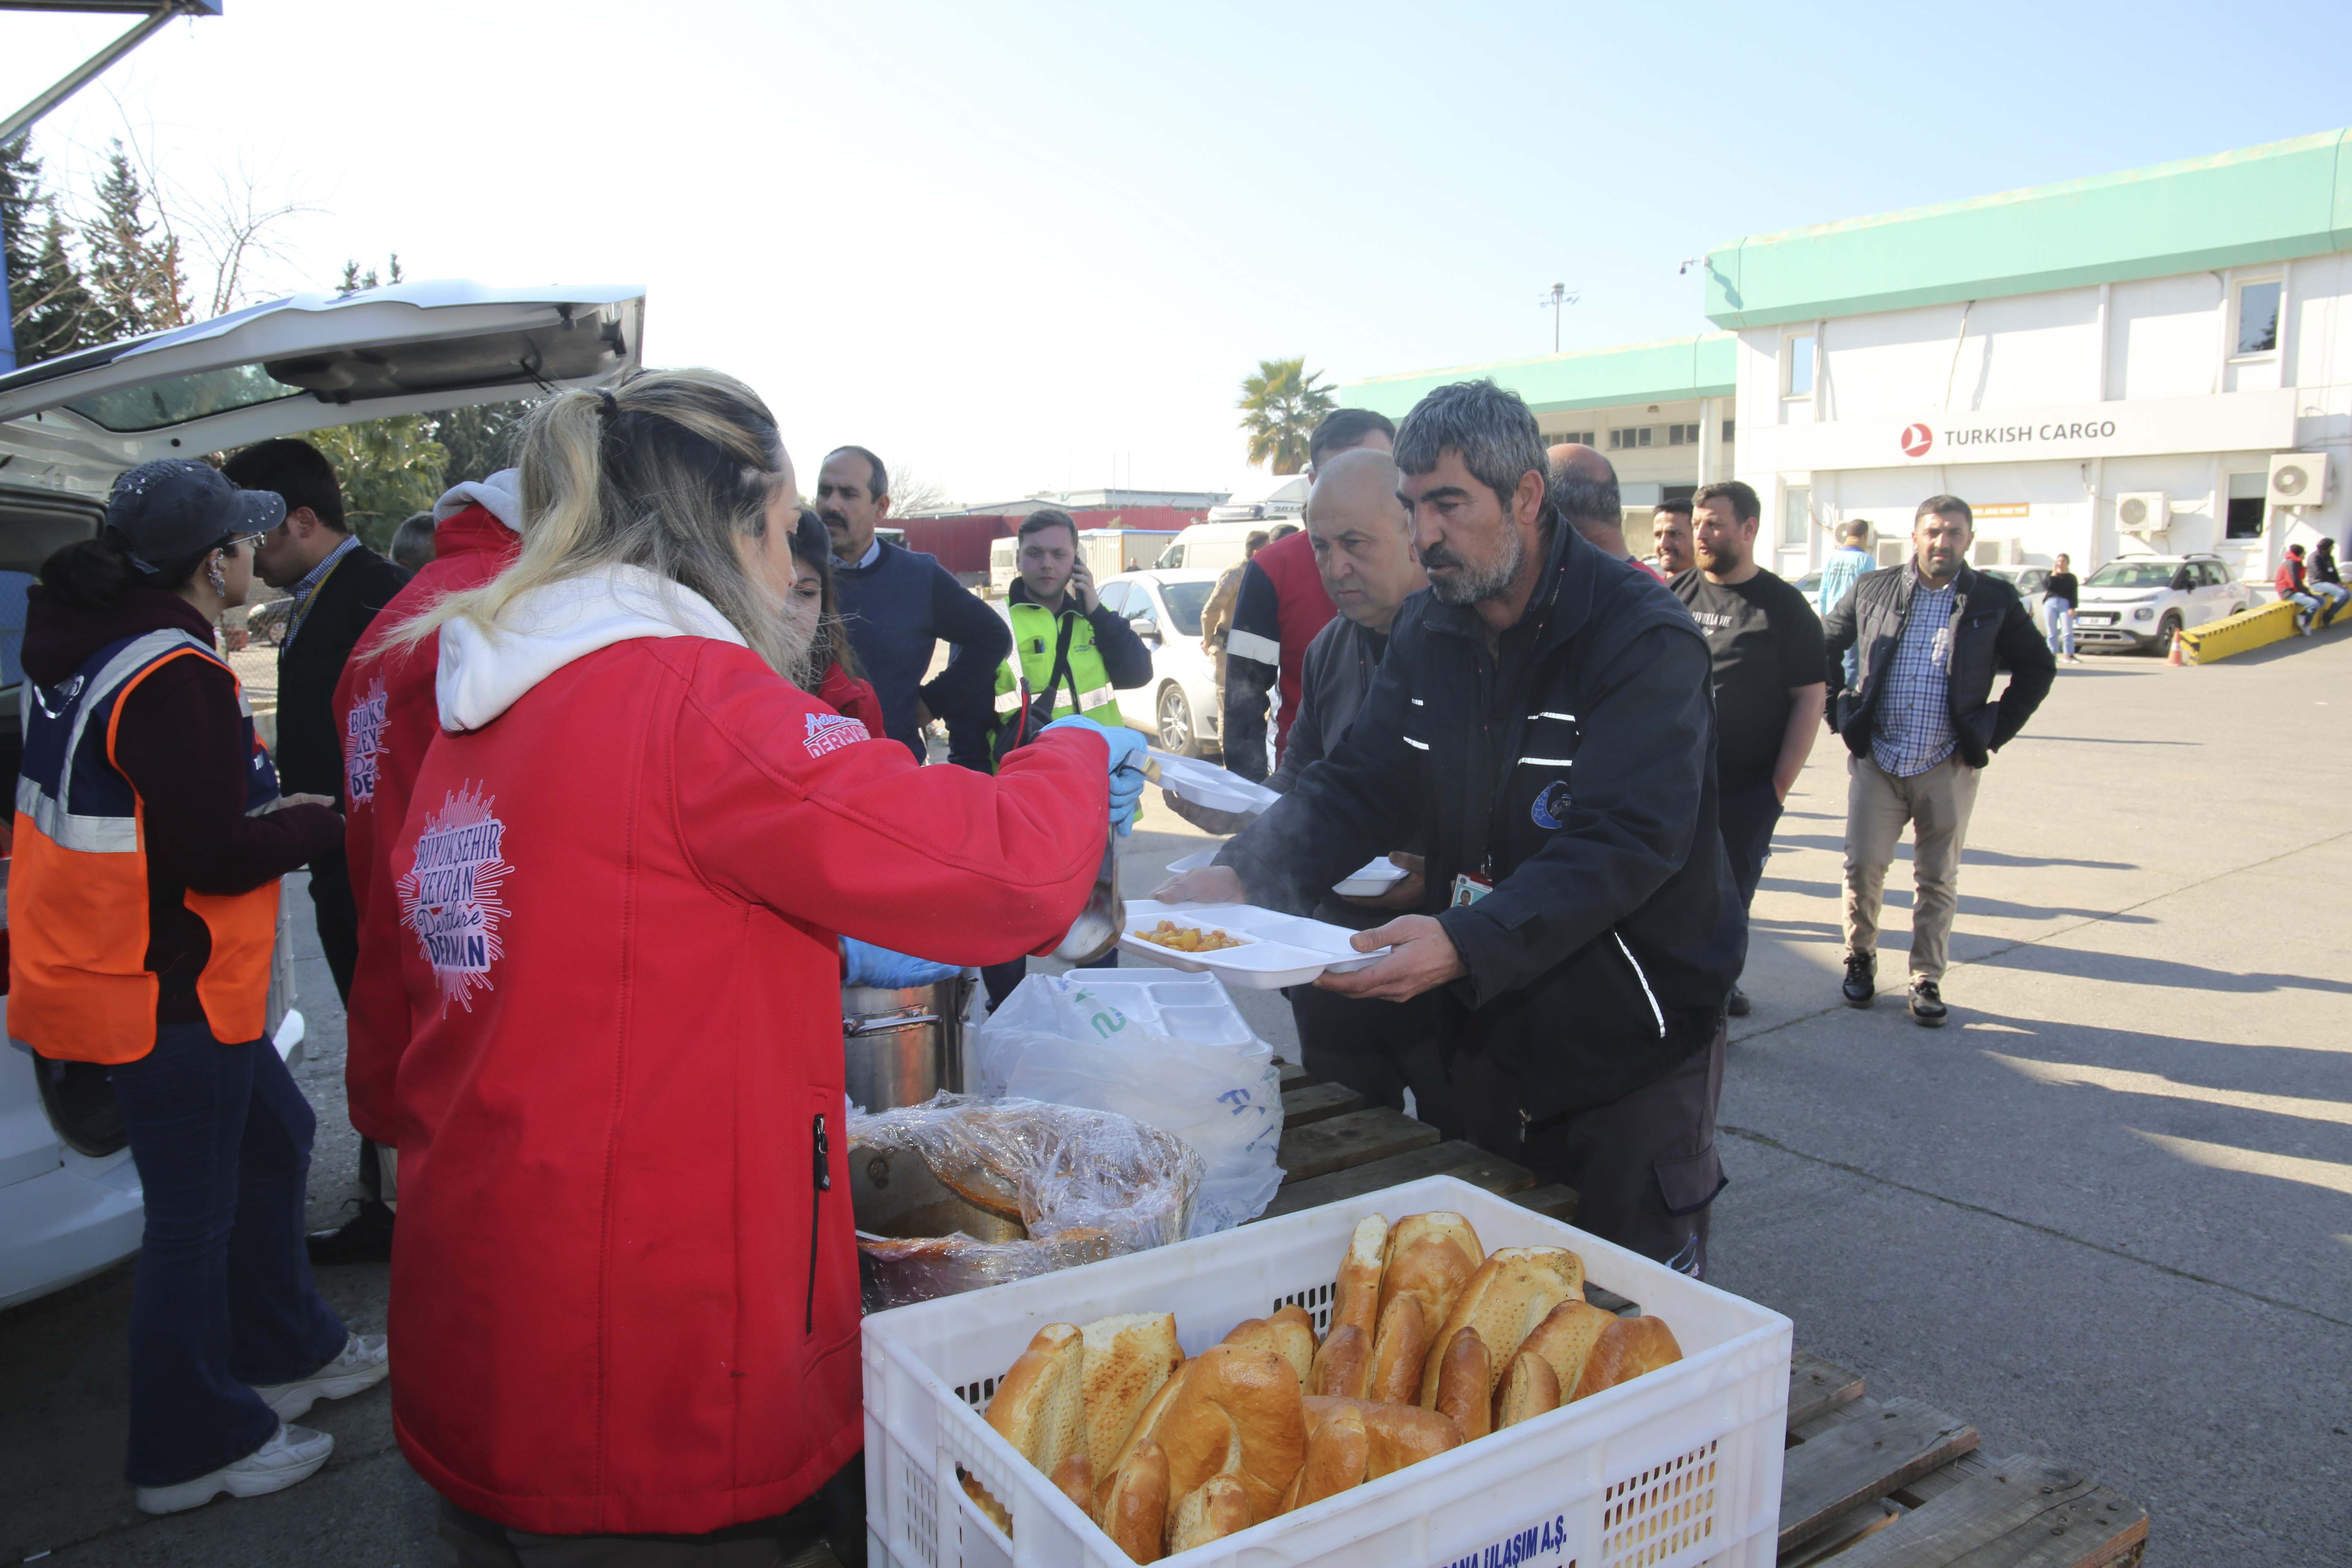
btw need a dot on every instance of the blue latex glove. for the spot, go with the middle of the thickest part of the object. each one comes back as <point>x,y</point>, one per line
<point>1126,780</point>
<point>878,966</point>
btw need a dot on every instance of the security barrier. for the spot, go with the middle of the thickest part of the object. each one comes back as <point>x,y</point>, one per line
<point>2241,633</point>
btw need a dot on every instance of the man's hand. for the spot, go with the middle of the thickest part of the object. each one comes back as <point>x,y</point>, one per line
<point>283,801</point>
<point>1082,587</point>
<point>1405,895</point>
<point>1423,959</point>
<point>1209,885</point>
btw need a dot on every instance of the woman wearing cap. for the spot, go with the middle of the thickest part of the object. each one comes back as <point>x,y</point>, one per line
<point>625,1290</point>
<point>149,836</point>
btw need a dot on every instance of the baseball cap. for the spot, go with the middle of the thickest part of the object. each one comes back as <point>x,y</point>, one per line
<point>169,510</point>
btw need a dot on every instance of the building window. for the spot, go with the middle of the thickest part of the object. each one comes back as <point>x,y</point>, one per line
<point>1797,365</point>
<point>1626,440</point>
<point>1682,434</point>
<point>2258,317</point>
<point>1727,430</point>
<point>2246,506</point>
<point>1796,515</point>
<point>1581,438</point>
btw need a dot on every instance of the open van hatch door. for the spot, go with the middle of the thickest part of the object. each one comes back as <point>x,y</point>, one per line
<point>304,363</point>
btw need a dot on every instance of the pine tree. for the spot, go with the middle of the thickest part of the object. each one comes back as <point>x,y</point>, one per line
<point>48,305</point>
<point>136,282</point>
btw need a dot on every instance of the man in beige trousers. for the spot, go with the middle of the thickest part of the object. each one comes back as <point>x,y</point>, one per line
<point>1922,722</point>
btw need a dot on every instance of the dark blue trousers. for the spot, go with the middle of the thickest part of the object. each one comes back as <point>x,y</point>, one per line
<point>1748,814</point>
<point>222,1301</point>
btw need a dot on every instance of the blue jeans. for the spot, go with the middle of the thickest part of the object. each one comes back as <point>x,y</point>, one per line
<point>222,1301</point>
<point>2059,616</point>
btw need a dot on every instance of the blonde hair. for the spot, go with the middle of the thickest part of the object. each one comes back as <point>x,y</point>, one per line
<point>664,471</point>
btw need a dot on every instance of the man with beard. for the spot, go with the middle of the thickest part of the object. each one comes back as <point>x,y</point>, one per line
<point>1543,722</point>
<point>1585,491</point>
<point>898,604</point>
<point>1766,642</point>
<point>1671,546</point>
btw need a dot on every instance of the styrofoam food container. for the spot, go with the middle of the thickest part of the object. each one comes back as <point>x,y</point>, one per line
<point>1200,860</point>
<point>1205,783</point>
<point>1679,1467</point>
<point>1278,950</point>
<point>1375,876</point>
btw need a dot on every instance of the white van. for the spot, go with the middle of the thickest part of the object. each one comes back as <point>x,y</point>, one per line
<point>70,1198</point>
<point>1213,546</point>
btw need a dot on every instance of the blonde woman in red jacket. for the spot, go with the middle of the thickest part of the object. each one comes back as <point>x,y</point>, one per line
<point>625,1289</point>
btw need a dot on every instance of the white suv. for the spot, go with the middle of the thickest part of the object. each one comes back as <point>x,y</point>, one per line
<point>70,1198</point>
<point>2139,602</point>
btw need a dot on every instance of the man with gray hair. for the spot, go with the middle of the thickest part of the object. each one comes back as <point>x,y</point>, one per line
<point>1543,724</point>
<point>1585,491</point>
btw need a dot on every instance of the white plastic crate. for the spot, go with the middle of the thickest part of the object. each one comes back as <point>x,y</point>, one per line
<point>1677,1467</point>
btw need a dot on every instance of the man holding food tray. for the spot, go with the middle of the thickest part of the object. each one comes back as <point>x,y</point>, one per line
<point>1544,722</point>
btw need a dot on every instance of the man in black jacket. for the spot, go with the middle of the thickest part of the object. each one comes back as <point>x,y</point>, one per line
<point>1922,722</point>
<point>338,585</point>
<point>1544,720</point>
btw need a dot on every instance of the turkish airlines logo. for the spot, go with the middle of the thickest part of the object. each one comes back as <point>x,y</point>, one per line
<point>1917,439</point>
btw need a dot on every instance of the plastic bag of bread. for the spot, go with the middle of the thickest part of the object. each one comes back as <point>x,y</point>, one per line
<point>959,1193</point>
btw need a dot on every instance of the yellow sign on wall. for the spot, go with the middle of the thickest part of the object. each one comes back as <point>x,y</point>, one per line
<point>2002,508</point>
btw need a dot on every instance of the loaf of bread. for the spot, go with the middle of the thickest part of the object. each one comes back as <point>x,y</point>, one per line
<point>1128,1358</point>
<point>1356,1295</point>
<point>1289,1333</point>
<point>1218,1507</point>
<point>1464,1382</point>
<point>1338,1452</point>
<point>1395,1435</point>
<point>1073,1477</point>
<point>1527,1389</point>
<point>1146,1422</point>
<point>1135,1508</point>
<point>1430,1263</point>
<point>1400,1351</point>
<point>1566,1337</point>
<point>1626,1348</point>
<point>1512,1292</point>
<point>1238,1411</point>
<point>1344,1364</point>
<point>1039,1408</point>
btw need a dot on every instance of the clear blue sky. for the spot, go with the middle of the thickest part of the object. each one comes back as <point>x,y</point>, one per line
<point>1037,246</point>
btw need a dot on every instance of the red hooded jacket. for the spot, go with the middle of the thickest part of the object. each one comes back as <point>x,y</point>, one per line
<point>383,712</point>
<point>626,1292</point>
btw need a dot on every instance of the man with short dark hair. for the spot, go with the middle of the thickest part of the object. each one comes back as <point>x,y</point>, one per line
<point>897,605</point>
<point>1280,608</point>
<point>1765,645</point>
<point>1585,491</point>
<point>1671,526</point>
<point>1543,720</point>
<point>1922,723</point>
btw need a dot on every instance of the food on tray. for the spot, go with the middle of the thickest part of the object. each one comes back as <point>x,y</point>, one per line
<point>1189,938</point>
<point>1434,1343</point>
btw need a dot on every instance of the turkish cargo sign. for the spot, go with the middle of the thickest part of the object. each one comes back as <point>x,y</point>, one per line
<point>2227,422</point>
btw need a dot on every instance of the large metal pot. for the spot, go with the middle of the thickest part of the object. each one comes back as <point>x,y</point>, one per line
<point>903,1047</point>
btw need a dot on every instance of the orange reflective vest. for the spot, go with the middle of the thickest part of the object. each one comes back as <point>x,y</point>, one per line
<point>78,985</point>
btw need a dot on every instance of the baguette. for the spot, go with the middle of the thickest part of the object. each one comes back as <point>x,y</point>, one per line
<point>1239,1412</point>
<point>1431,1270</point>
<point>1356,1296</point>
<point>1399,1351</point>
<point>1039,1408</point>
<point>1344,1365</point>
<point>1438,1224</point>
<point>1339,1451</point>
<point>1566,1337</point>
<point>1075,1478</point>
<point>1135,1509</point>
<point>1395,1435</point>
<point>1526,1390</point>
<point>1128,1359</point>
<point>1464,1387</point>
<point>1512,1292</point>
<point>1289,1333</point>
<point>1148,1419</point>
<point>1627,1348</point>
<point>1218,1507</point>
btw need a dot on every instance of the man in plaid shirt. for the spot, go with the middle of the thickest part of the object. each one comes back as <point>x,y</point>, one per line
<point>1919,716</point>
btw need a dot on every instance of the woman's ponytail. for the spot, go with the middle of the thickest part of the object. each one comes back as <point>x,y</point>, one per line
<point>88,574</point>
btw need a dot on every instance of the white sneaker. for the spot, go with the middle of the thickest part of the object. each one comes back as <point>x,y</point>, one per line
<point>292,1454</point>
<point>364,1362</point>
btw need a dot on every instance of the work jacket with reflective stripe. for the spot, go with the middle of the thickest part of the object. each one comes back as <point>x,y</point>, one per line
<point>80,988</point>
<point>1105,655</point>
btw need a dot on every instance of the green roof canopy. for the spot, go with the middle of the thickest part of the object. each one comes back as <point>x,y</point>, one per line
<point>2251,207</point>
<point>1675,369</point>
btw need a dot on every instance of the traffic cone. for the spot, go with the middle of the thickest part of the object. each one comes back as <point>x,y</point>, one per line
<point>2175,657</point>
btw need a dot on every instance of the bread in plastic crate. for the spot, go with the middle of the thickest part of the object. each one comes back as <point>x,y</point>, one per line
<point>1679,1467</point>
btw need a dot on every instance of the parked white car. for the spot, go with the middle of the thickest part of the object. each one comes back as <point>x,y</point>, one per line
<point>2027,580</point>
<point>1180,705</point>
<point>70,1198</point>
<point>2139,602</point>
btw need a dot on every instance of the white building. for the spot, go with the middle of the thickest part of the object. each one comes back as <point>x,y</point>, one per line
<point>2106,367</point>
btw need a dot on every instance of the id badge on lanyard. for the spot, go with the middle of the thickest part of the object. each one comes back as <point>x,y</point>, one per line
<point>1468,890</point>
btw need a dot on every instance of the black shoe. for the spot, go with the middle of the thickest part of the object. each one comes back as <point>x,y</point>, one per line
<point>1926,1004</point>
<point>366,1238</point>
<point>1860,986</point>
<point>1737,1003</point>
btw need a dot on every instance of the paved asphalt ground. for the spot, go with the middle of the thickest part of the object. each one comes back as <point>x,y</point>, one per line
<point>2105,1215</point>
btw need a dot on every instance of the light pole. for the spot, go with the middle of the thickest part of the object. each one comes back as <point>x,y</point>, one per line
<point>1557,297</point>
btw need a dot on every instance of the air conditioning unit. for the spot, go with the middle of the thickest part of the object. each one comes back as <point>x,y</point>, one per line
<point>2143,512</point>
<point>2297,479</point>
<point>1999,552</point>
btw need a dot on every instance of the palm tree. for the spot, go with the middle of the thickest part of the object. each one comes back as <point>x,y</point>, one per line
<point>1280,406</point>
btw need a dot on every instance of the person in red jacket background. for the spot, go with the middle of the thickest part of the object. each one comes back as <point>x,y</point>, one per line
<point>625,1293</point>
<point>383,712</point>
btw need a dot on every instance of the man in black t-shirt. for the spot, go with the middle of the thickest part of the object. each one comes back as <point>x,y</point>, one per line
<point>1769,689</point>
